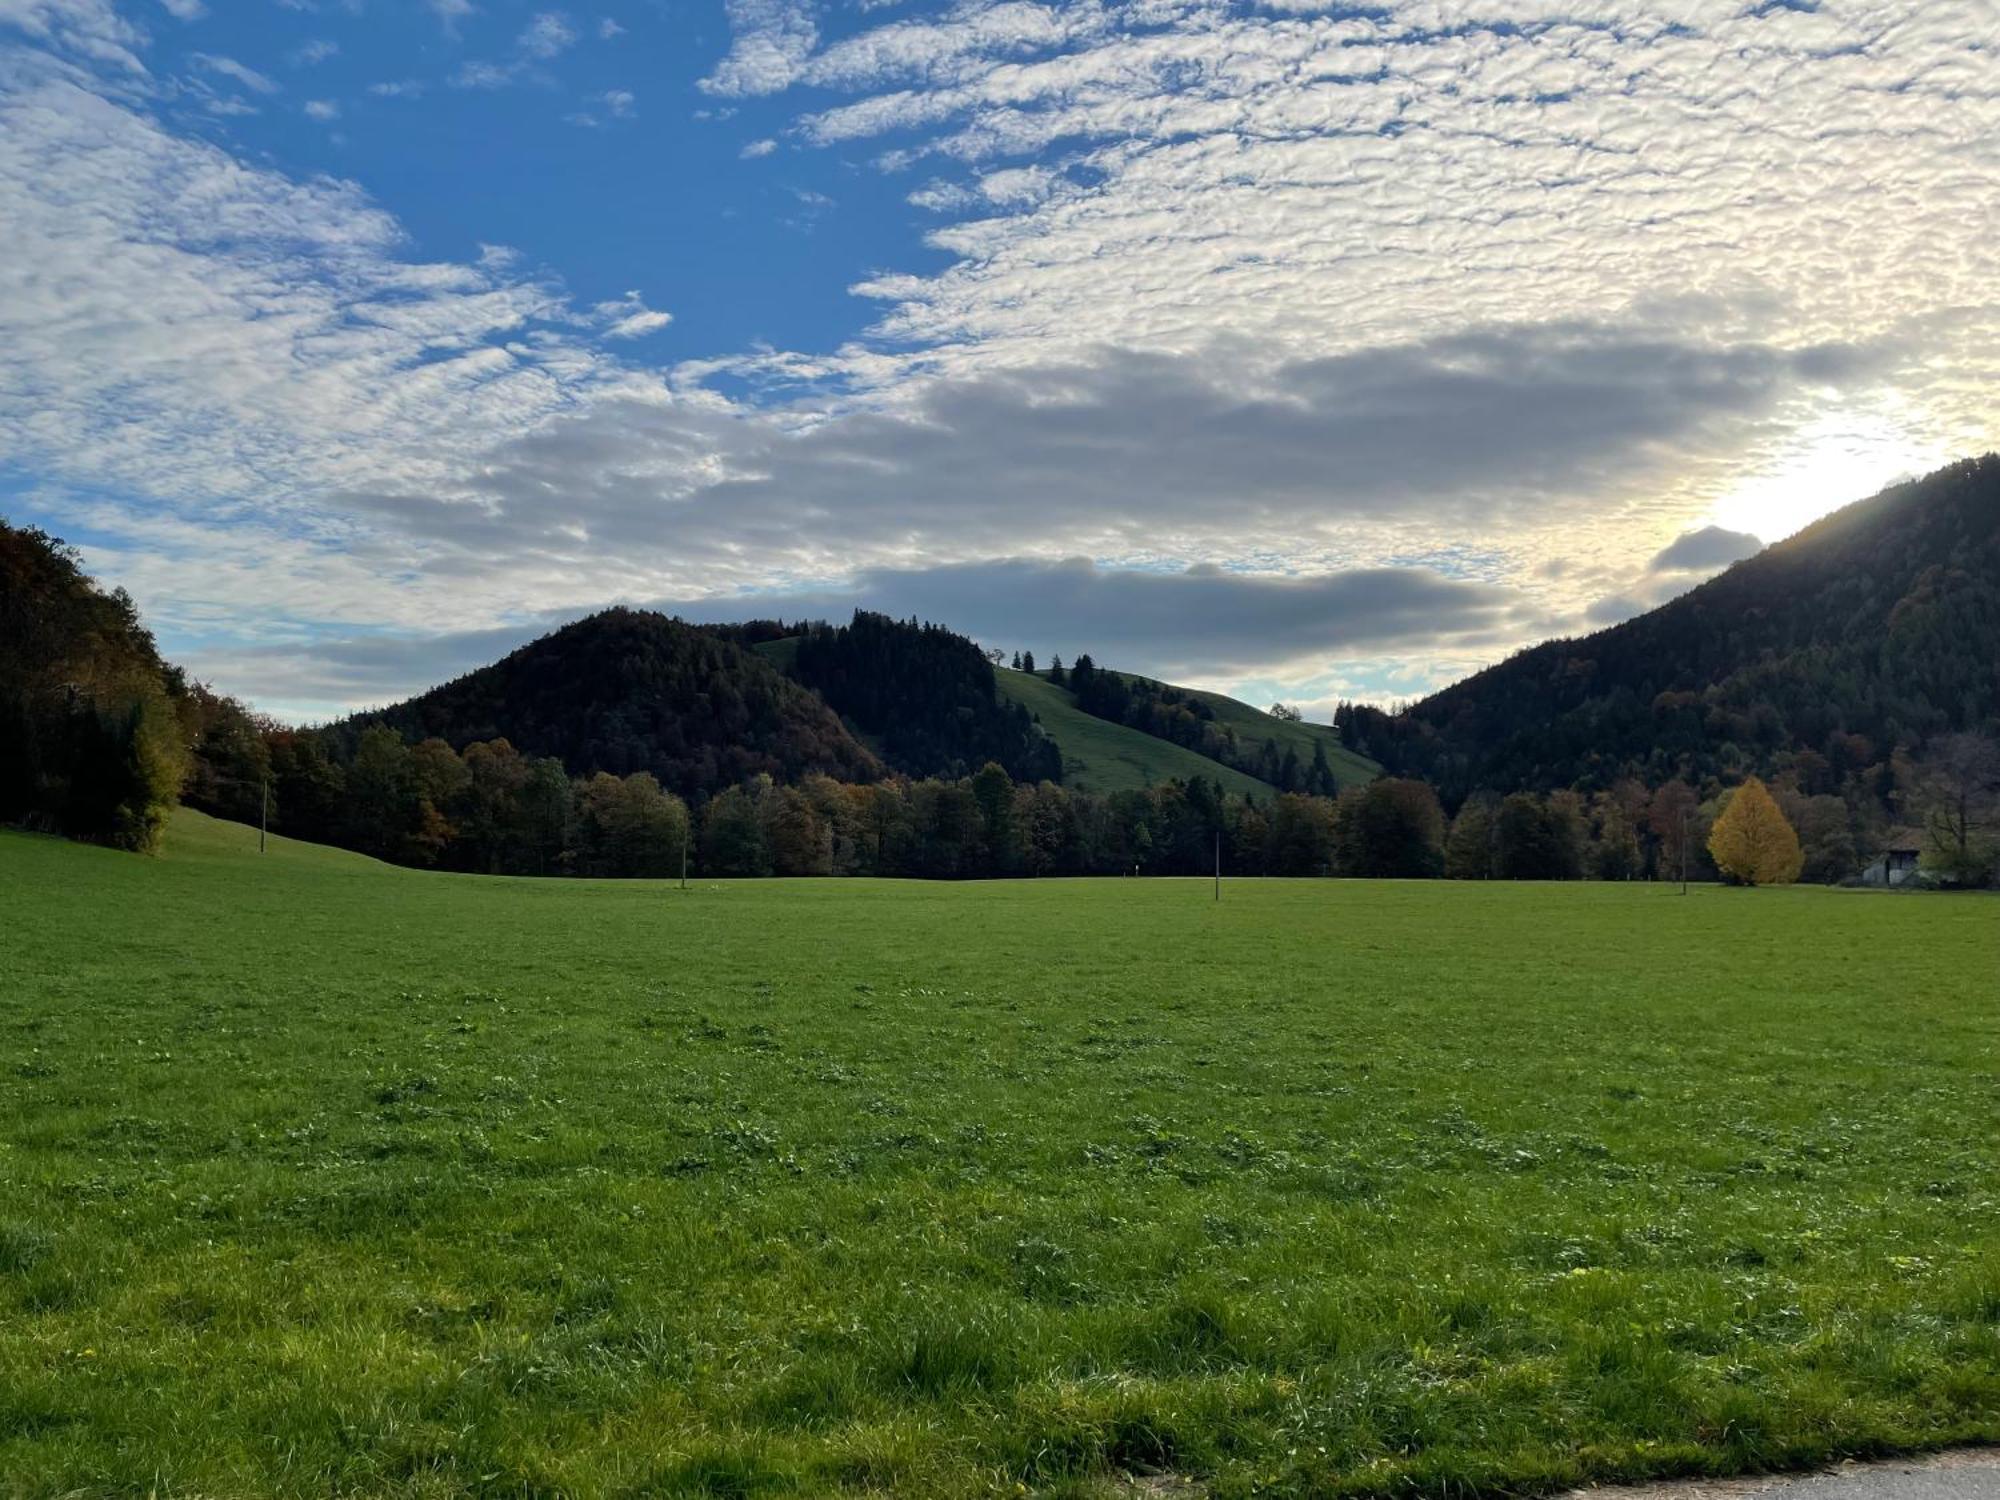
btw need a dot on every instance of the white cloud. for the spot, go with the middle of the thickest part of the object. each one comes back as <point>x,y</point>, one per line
<point>629,318</point>
<point>618,104</point>
<point>185,10</point>
<point>314,52</point>
<point>758,148</point>
<point>484,75</point>
<point>90,29</point>
<point>1508,296</point>
<point>232,350</point>
<point>547,35</point>
<point>322,109</point>
<point>607,28</point>
<point>1318,176</point>
<point>773,40</point>
<point>944,197</point>
<point>450,13</point>
<point>229,67</point>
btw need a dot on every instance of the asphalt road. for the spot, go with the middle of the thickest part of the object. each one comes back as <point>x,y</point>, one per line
<point>1966,1474</point>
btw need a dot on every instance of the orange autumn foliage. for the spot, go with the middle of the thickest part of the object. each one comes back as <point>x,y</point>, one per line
<point>1754,841</point>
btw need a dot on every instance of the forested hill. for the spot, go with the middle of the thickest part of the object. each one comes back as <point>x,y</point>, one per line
<point>934,704</point>
<point>1877,626</point>
<point>923,694</point>
<point>630,690</point>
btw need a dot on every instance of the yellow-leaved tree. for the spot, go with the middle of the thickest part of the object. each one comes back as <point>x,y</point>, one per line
<point>1753,841</point>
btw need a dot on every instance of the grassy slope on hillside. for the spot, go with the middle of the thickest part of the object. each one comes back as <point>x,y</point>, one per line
<point>1103,757</point>
<point>1100,756</point>
<point>320,1176</point>
<point>781,653</point>
<point>1253,726</point>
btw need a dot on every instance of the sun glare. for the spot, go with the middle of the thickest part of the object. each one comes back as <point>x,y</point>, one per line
<point>1833,463</point>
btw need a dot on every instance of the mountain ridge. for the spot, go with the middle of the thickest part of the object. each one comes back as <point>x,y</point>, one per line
<point>1879,622</point>
<point>627,690</point>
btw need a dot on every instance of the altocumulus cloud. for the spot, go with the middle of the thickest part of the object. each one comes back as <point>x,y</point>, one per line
<point>1302,290</point>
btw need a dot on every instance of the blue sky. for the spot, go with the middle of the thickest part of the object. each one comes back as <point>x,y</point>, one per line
<point>1302,350</point>
<point>582,139</point>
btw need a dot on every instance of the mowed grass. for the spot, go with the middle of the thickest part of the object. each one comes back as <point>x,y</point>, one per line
<point>1253,726</point>
<point>1102,757</point>
<point>319,1177</point>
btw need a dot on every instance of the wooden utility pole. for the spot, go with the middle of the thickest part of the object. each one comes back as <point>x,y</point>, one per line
<point>1218,864</point>
<point>264,814</point>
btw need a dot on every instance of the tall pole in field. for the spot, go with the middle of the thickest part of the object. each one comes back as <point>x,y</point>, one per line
<point>264,814</point>
<point>1218,864</point>
<point>684,856</point>
<point>1684,851</point>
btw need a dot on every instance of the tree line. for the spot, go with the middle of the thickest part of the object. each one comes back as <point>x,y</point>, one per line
<point>492,809</point>
<point>99,737</point>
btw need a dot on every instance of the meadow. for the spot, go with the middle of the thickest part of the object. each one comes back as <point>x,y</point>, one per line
<point>1099,756</point>
<point>320,1177</point>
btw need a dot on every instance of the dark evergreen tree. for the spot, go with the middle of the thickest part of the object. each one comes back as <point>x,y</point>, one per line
<point>1290,778</point>
<point>925,694</point>
<point>1319,781</point>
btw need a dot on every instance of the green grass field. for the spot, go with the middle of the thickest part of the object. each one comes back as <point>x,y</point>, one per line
<point>319,1177</point>
<point>1253,726</point>
<point>1099,756</point>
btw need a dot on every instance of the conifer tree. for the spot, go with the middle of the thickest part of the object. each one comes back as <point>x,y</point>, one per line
<point>1320,781</point>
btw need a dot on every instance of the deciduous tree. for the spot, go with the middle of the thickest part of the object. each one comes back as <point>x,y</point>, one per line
<point>1391,828</point>
<point>1753,841</point>
<point>1671,818</point>
<point>1957,793</point>
<point>1468,851</point>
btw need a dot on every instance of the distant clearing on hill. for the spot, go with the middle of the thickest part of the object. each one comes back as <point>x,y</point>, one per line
<point>1099,756</point>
